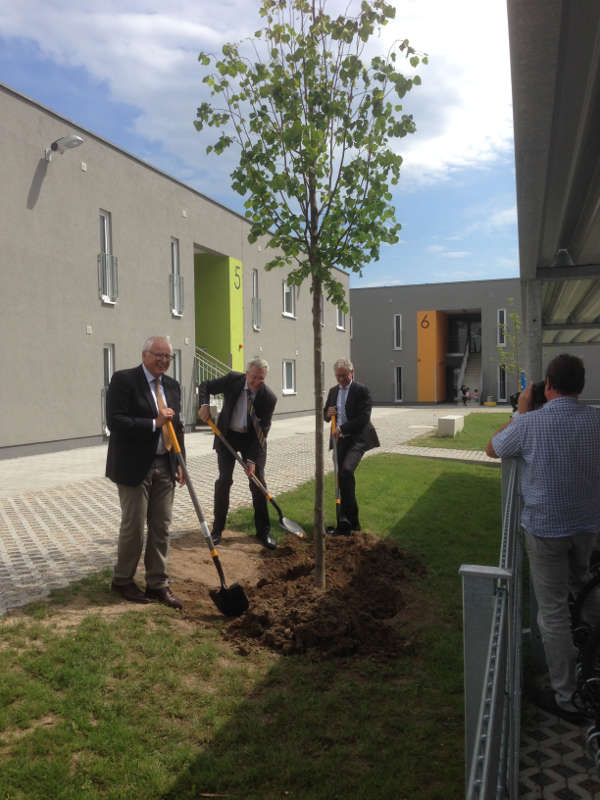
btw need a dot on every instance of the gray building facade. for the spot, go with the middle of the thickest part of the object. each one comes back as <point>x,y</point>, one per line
<point>100,250</point>
<point>420,343</point>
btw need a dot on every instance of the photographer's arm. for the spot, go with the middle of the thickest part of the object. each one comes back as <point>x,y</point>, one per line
<point>525,404</point>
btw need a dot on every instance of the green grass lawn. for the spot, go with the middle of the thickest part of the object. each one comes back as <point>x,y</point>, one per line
<point>479,429</point>
<point>143,706</point>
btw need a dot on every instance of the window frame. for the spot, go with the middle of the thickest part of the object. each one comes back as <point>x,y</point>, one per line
<point>289,290</point>
<point>502,396</point>
<point>108,277</point>
<point>176,280</point>
<point>398,372</point>
<point>398,332</point>
<point>501,328</point>
<point>285,389</point>
<point>340,326</point>
<point>255,303</point>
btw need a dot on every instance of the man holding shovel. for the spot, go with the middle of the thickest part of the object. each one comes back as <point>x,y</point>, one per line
<point>351,403</point>
<point>244,421</point>
<point>141,461</point>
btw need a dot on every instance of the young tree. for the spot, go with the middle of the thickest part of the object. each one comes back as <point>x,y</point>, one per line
<point>313,122</point>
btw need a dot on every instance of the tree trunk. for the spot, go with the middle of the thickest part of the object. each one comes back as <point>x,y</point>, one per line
<point>319,533</point>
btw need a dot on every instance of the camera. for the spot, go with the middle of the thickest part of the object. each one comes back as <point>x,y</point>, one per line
<point>538,397</point>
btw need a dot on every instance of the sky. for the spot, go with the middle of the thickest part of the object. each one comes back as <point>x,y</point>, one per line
<point>128,71</point>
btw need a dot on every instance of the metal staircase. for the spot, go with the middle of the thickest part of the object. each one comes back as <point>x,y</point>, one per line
<point>206,367</point>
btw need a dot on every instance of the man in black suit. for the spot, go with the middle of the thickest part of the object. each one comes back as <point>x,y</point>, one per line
<point>351,403</point>
<point>245,426</point>
<point>142,463</point>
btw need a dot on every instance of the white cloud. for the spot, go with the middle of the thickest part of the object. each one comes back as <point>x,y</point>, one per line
<point>503,218</point>
<point>149,60</point>
<point>456,254</point>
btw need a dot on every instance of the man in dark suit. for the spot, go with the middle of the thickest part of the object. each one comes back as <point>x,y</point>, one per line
<point>245,425</point>
<point>351,403</point>
<point>142,463</point>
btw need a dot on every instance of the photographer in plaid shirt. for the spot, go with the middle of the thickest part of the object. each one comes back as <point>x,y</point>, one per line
<point>559,448</point>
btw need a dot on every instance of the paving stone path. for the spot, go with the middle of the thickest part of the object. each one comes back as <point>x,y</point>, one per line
<point>53,536</point>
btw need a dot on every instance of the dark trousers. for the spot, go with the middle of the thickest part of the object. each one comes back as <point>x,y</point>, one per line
<point>239,441</point>
<point>349,456</point>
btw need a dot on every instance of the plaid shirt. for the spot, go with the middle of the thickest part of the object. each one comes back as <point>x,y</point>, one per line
<point>559,446</point>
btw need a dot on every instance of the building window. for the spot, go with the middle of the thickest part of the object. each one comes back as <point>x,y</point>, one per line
<point>289,377</point>
<point>108,356</point>
<point>176,281</point>
<point>108,284</point>
<point>256,309</point>
<point>176,365</point>
<point>397,331</point>
<point>341,320</point>
<point>501,327</point>
<point>289,300</point>
<point>501,383</point>
<point>398,384</point>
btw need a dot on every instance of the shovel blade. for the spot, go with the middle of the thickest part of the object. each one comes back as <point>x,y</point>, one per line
<point>231,602</point>
<point>292,527</point>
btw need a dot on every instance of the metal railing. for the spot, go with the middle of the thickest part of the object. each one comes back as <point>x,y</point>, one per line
<point>108,277</point>
<point>206,367</point>
<point>176,293</point>
<point>463,369</point>
<point>256,313</point>
<point>492,658</point>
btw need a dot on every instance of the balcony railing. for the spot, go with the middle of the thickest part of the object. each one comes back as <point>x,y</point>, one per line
<point>256,314</point>
<point>108,277</point>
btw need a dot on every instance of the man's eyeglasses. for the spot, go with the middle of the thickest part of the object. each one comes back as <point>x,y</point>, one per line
<point>162,355</point>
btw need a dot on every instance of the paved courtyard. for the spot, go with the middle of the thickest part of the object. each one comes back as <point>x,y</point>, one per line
<point>59,516</point>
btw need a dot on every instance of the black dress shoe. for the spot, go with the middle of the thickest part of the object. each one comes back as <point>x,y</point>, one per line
<point>164,595</point>
<point>216,537</point>
<point>267,540</point>
<point>129,591</point>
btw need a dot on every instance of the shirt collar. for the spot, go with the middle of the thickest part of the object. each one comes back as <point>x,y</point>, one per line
<point>149,376</point>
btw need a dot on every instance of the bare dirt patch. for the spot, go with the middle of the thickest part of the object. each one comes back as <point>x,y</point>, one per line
<point>368,606</point>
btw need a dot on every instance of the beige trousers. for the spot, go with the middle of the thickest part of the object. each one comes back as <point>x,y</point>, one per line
<point>151,504</point>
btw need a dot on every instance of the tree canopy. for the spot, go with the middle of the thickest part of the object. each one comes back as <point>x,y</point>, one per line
<point>314,120</point>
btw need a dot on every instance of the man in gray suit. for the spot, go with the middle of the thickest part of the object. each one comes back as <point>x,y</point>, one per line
<point>351,403</point>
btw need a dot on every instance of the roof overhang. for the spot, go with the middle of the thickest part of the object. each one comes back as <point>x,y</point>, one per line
<point>555,65</point>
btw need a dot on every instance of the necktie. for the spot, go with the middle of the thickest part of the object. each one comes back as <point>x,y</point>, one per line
<point>161,405</point>
<point>254,420</point>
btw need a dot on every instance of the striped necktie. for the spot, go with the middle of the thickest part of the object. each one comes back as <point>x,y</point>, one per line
<point>161,405</point>
<point>260,435</point>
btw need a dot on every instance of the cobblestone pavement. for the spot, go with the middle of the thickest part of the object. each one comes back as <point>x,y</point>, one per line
<point>58,533</point>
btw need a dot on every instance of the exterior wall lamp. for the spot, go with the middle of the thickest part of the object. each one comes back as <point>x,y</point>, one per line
<point>62,144</point>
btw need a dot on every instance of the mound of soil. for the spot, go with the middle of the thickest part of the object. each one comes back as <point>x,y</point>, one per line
<point>365,608</point>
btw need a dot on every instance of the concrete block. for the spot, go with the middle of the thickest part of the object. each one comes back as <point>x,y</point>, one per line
<point>450,425</point>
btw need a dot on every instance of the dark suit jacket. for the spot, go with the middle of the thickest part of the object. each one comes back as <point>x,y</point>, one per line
<point>130,409</point>
<point>358,413</point>
<point>231,386</point>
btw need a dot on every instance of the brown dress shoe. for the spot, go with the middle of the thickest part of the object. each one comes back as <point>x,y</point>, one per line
<point>130,592</point>
<point>164,595</point>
